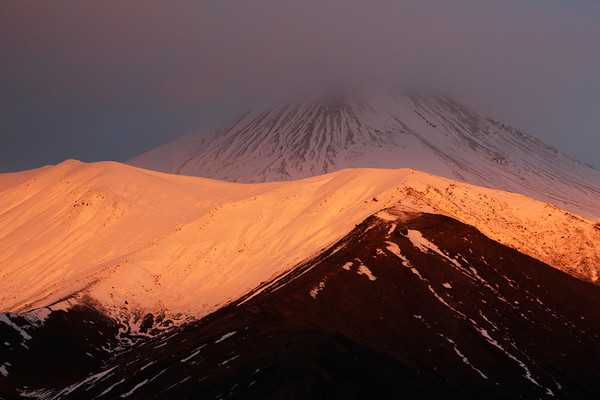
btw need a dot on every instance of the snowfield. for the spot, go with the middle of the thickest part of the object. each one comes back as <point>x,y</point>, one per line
<point>132,241</point>
<point>427,133</point>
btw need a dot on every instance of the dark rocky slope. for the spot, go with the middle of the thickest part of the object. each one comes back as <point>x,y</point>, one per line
<point>405,306</point>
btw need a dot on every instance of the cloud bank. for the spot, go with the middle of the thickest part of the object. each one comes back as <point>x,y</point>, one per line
<point>106,80</point>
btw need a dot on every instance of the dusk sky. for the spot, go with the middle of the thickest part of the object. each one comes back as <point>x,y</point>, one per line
<point>107,80</point>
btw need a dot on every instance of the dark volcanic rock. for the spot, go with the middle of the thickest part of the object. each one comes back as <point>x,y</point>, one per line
<point>420,306</point>
<point>56,352</point>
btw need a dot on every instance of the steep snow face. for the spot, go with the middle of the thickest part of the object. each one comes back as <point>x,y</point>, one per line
<point>430,134</point>
<point>136,241</point>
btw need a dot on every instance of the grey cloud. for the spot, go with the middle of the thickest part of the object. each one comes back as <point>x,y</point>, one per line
<point>105,80</point>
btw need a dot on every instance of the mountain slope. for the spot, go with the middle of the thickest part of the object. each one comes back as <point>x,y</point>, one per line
<point>408,305</point>
<point>430,134</point>
<point>137,242</point>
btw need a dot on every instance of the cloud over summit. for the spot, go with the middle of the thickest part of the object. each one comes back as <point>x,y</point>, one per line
<point>108,80</point>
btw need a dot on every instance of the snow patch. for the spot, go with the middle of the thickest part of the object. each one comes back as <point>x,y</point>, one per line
<point>228,360</point>
<point>363,270</point>
<point>494,343</point>
<point>315,291</point>
<point>108,389</point>
<point>147,365</point>
<point>91,379</point>
<point>391,230</point>
<point>4,318</point>
<point>36,394</point>
<point>194,354</point>
<point>426,246</point>
<point>395,250</point>
<point>463,357</point>
<point>136,387</point>
<point>225,336</point>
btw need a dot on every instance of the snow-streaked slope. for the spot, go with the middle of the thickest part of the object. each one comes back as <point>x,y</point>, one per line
<point>142,241</point>
<point>430,134</point>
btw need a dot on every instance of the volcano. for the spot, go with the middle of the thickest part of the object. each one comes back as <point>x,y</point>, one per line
<point>433,134</point>
<point>289,270</point>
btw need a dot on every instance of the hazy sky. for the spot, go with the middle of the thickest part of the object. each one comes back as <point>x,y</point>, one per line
<point>106,80</point>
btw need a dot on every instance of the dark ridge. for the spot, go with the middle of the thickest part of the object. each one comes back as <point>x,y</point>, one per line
<point>475,319</point>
